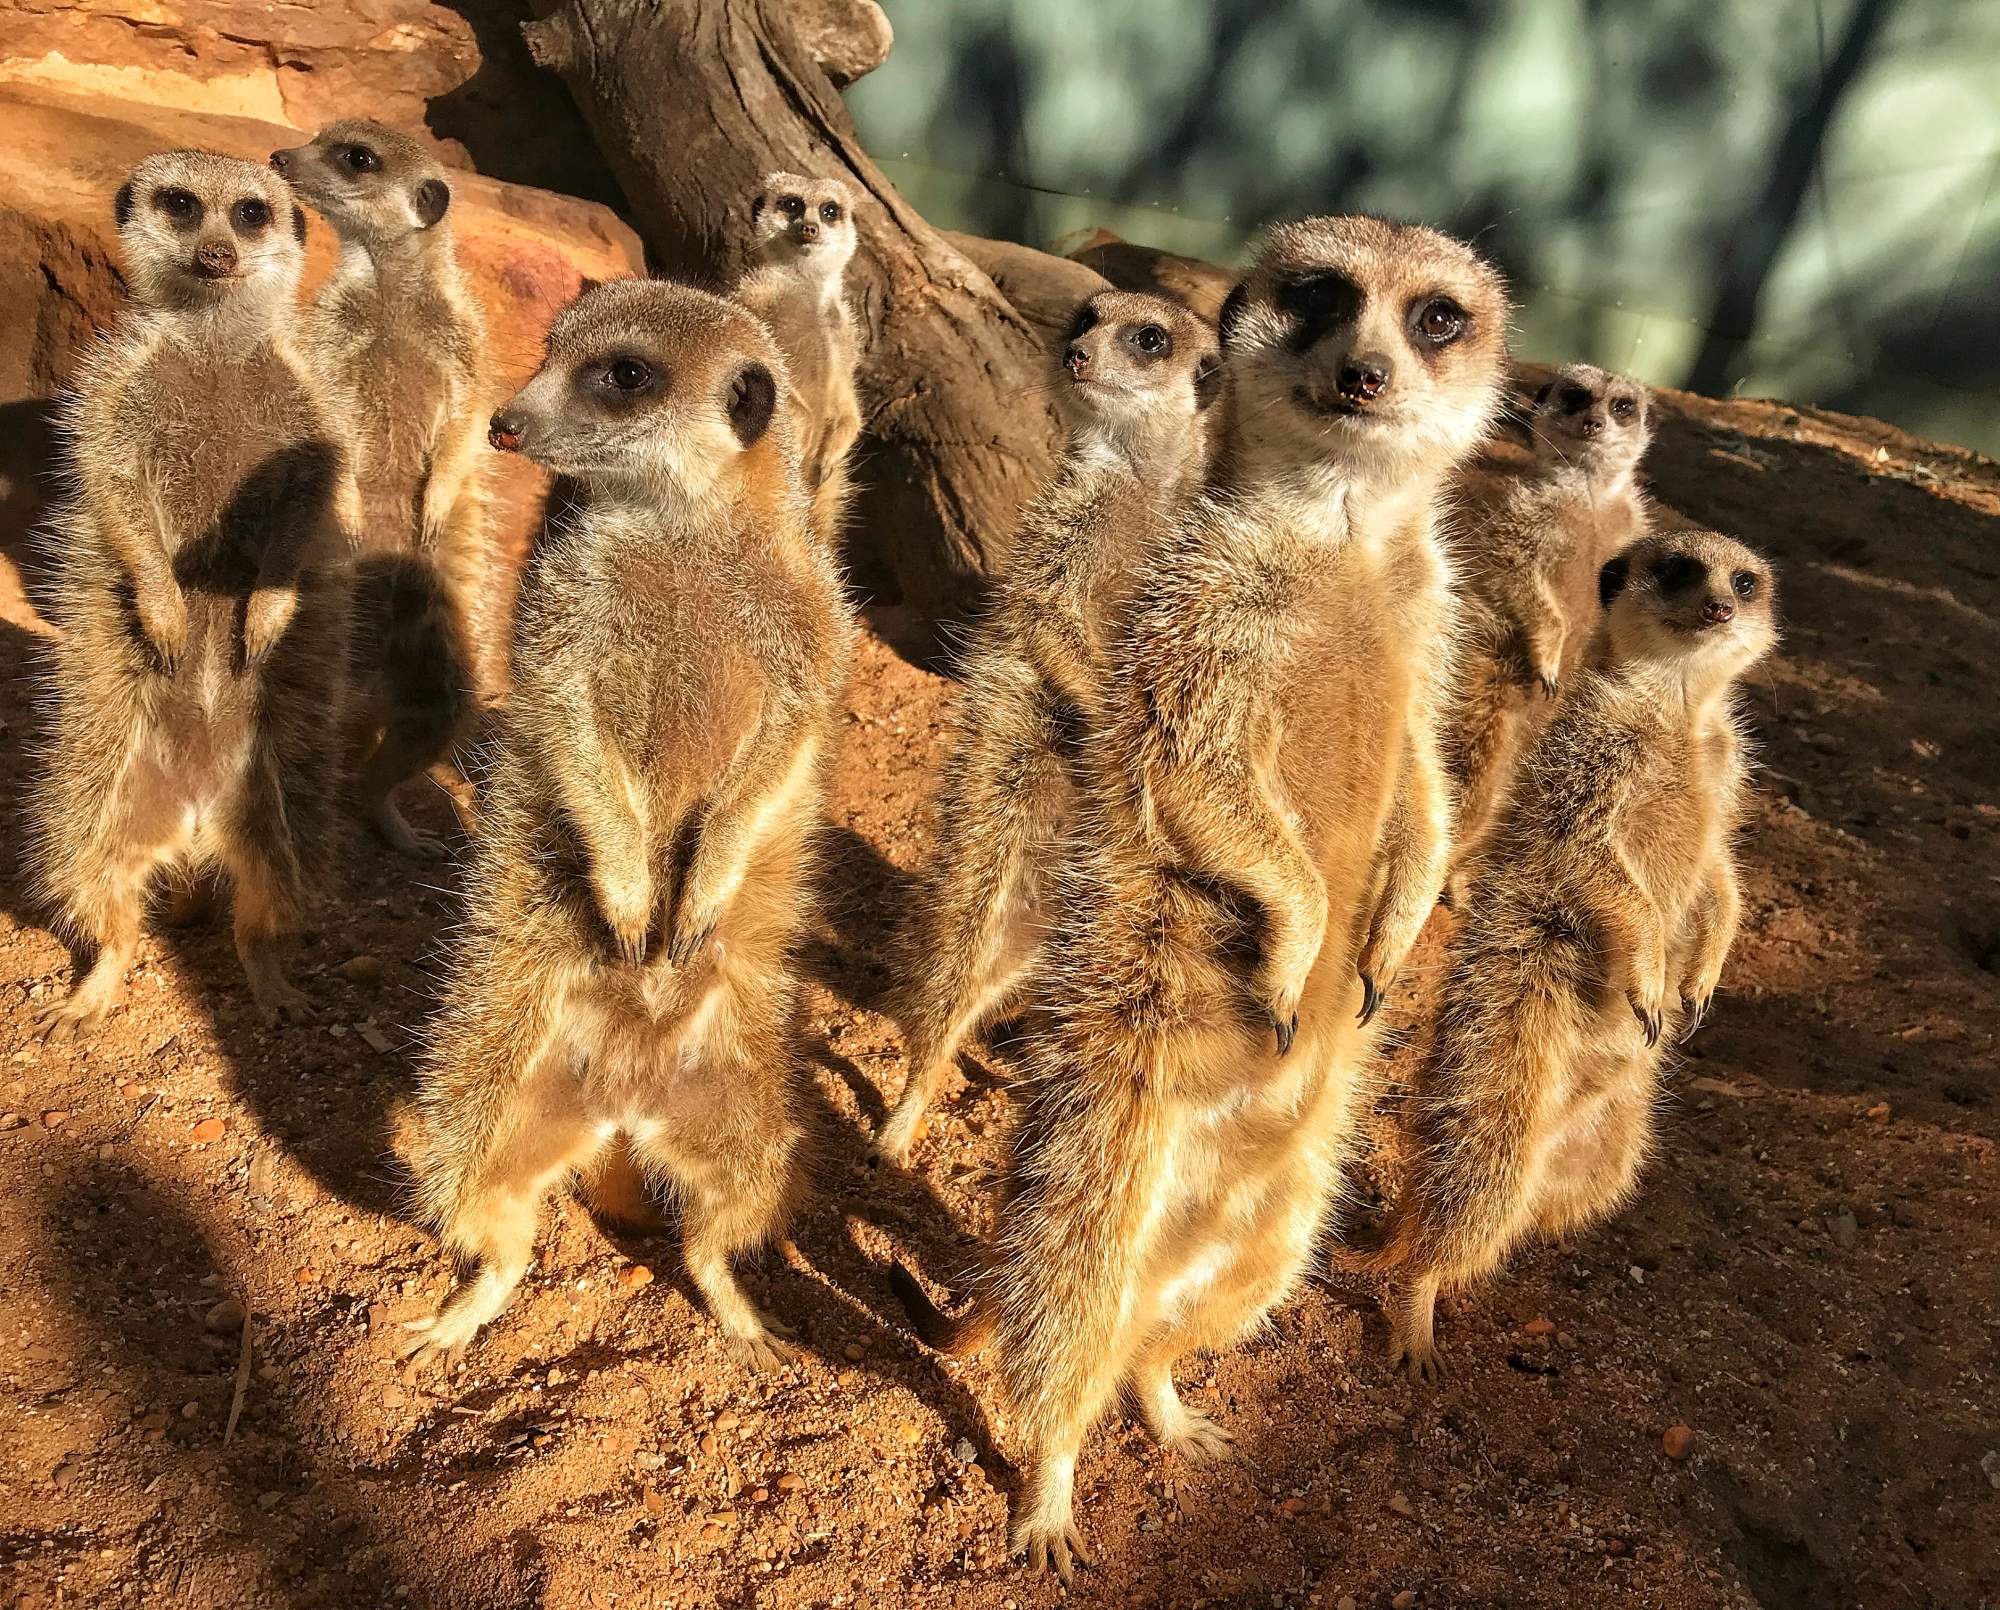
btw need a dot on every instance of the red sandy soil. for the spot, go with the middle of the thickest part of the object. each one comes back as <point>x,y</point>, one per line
<point>1807,1283</point>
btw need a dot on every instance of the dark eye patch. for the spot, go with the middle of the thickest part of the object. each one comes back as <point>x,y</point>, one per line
<point>1150,341</point>
<point>830,211</point>
<point>1678,572</point>
<point>1744,584</point>
<point>1575,399</point>
<point>182,207</point>
<point>1084,322</point>
<point>621,380</point>
<point>250,216</point>
<point>1611,579</point>
<point>1623,407</point>
<point>791,206</point>
<point>1318,303</point>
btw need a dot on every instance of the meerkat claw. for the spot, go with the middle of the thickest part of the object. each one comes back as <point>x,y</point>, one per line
<point>1286,1029</point>
<point>1371,1000</point>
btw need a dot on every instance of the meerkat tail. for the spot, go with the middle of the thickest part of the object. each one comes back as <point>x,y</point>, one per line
<point>957,1338</point>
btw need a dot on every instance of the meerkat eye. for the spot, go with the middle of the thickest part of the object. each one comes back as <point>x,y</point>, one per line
<point>830,211</point>
<point>1152,340</point>
<point>630,374</point>
<point>1679,571</point>
<point>359,159</point>
<point>179,205</point>
<point>1744,584</point>
<point>252,215</point>
<point>1623,407</point>
<point>792,207</point>
<point>1320,298</point>
<point>1441,320</point>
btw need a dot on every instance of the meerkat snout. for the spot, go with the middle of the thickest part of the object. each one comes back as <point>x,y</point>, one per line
<point>1364,378</point>
<point>504,431</point>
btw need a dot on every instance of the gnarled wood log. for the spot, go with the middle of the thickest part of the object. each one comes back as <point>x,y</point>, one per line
<point>692,102</point>
<point>1201,285</point>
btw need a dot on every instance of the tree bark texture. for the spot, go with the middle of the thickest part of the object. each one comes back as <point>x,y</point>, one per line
<point>692,102</point>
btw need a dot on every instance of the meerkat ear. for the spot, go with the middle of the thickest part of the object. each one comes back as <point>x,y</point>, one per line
<point>1207,381</point>
<point>121,209</point>
<point>1611,579</point>
<point>753,398</point>
<point>298,223</point>
<point>1542,397</point>
<point>430,201</point>
<point>1232,312</point>
<point>757,207</point>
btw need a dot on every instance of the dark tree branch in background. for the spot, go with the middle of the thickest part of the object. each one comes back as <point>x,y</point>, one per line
<point>692,102</point>
<point>1753,252</point>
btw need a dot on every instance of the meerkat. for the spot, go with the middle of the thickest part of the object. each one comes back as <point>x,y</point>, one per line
<point>200,562</point>
<point>1611,892</point>
<point>626,967</point>
<point>1530,577</point>
<point>802,239</point>
<point>1133,380</point>
<point>399,337</point>
<point>1261,836</point>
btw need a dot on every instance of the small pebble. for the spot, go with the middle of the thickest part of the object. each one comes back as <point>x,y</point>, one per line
<point>55,1118</point>
<point>1844,1229</point>
<point>788,1483</point>
<point>1540,1327</point>
<point>360,969</point>
<point>909,1431</point>
<point>760,1495</point>
<point>1615,1546</point>
<point>225,1318</point>
<point>635,1277</point>
<point>1347,1603</point>
<point>1401,1504</point>
<point>555,1377</point>
<point>1879,1113</point>
<point>1677,1440</point>
<point>269,1500</point>
<point>963,1451</point>
<point>190,1409</point>
<point>707,1443</point>
<point>728,1420</point>
<point>1293,1505</point>
<point>854,1352</point>
<point>307,1276</point>
<point>1404,1600</point>
<point>208,1129</point>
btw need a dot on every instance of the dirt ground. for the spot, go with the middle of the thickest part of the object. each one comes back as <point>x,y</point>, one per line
<point>1808,1282</point>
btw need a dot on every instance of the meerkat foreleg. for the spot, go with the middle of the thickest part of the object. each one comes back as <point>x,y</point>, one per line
<point>1634,942</point>
<point>605,802</point>
<point>269,890</point>
<point>1223,818</point>
<point>298,512</point>
<point>763,787</point>
<point>133,536</point>
<point>107,910</point>
<point>1715,921</point>
<point>1543,634</point>
<point>1416,846</point>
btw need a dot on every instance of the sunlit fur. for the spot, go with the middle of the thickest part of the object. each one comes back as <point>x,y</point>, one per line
<point>198,586</point>
<point>1601,927</point>
<point>793,280</point>
<point>625,981</point>
<point>1034,673</point>
<point>1266,818</point>
<point>1529,573</point>
<point>399,339</point>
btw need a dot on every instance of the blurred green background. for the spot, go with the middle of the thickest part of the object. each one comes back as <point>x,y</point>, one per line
<point>1795,198</point>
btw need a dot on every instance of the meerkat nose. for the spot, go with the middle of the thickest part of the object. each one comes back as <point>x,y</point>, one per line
<point>216,258</point>
<point>1591,425</point>
<point>1077,362</point>
<point>281,161</point>
<point>505,431</point>
<point>1719,610</point>
<point>1363,379</point>
<point>809,231</point>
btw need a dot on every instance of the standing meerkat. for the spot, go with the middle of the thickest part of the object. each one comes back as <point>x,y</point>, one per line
<point>1262,840</point>
<point>626,967</point>
<point>1530,575</point>
<point>398,336</point>
<point>1610,892</point>
<point>802,239</point>
<point>1133,380</point>
<point>199,590</point>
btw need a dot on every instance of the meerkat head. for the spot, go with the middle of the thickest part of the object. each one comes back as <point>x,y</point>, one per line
<point>1373,346</point>
<point>1592,420</point>
<point>803,223</point>
<point>1134,372</point>
<point>650,386</point>
<point>201,232</point>
<point>371,183</point>
<point>1696,601</point>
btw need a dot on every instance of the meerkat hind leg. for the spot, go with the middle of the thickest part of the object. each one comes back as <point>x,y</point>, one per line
<point>264,914</point>
<point>1192,1433</point>
<point>113,909</point>
<point>1045,1535</point>
<point>1412,1313</point>
<point>493,1228</point>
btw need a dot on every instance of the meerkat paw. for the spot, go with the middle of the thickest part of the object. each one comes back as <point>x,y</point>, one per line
<point>691,935</point>
<point>1418,1359</point>
<point>70,1019</point>
<point>163,617</point>
<point>900,1136</point>
<point>1050,1546</point>
<point>393,830</point>
<point>280,1001</point>
<point>1650,1015</point>
<point>1198,1437</point>
<point>768,1346</point>
<point>445,1335</point>
<point>269,614</point>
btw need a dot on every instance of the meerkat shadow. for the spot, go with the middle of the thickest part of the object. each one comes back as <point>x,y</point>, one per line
<point>860,893</point>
